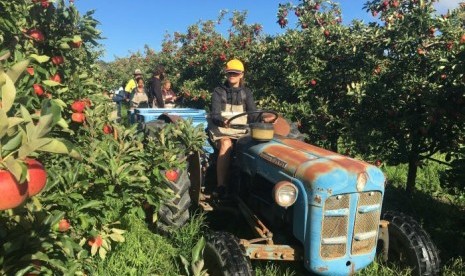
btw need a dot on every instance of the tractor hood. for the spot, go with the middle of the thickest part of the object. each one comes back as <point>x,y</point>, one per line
<point>312,165</point>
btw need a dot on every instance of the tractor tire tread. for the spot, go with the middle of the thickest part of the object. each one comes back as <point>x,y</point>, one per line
<point>230,254</point>
<point>420,242</point>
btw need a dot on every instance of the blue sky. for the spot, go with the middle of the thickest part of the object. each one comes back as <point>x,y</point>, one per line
<point>128,25</point>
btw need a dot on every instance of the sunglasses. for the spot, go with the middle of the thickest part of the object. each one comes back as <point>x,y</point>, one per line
<point>233,74</point>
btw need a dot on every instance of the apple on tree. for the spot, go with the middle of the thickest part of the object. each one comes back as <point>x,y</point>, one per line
<point>38,90</point>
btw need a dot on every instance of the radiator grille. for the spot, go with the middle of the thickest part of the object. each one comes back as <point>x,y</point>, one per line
<point>335,225</point>
<point>366,223</point>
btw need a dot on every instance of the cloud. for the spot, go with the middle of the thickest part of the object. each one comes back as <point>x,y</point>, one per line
<point>443,5</point>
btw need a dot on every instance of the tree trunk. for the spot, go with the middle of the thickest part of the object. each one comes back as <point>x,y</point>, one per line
<point>412,172</point>
<point>333,143</point>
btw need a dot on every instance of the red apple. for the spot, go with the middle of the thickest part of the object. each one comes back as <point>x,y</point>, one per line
<point>95,240</point>
<point>431,31</point>
<point>462,39</point>
<point>378,163</point>
<point>313,82</point>
<point>78,117</point>
<point>45,4</point>
<point>107,129</point>
<point>326,33</point>
<point>63,225</point>
<point>57,60</point>
<point>223,57</point>
<point>37,176</point>
<point>78,106</point>
<point>171,175</point>
<point>36,35</point>
<point>30,71</point>
<point>12,194</point>
<point>38,89</point>
<point>56,78</point>
<point>75,44</point>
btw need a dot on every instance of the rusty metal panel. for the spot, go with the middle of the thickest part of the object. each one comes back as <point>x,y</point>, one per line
<point>335,227</point>
<point>366,227</point>
<point>272,252</point>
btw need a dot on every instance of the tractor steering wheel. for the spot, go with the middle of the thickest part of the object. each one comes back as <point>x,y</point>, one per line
<point>260,112</point>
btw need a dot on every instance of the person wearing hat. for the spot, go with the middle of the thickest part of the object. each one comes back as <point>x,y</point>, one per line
<point>229,99</point>
<point>131,84</point>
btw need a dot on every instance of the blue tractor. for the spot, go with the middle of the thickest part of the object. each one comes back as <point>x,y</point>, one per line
<point>302,202</point>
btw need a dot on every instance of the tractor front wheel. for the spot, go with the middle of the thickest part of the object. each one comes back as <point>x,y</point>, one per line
<point>223,256</point>
<point>410,246</point>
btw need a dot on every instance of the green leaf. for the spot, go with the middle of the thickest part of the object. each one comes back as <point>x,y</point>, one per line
<point>63,90</point>
<point>4,55</point>
<point>31,146</point>
<point>94,249</point>
<point>62,123</point>
<point>50,107</point>
<point>197,267</point>
<point>102,253</point>
<point>60,146</point>
<point>16,70</point>
<point>117,237</point>
<point>51,83</point>
<point>40,59</point>
<point>90,204</point>
<point>12,144</point>
<point>25,114</point>
<point>60,103</point>
<point>8,93</point>
<point>3,123</point>
<point>198,249</point>
<point>16,168</point>
<point>64,46</point>
<point>14,121</point>
<point>119,231</point>
<point>40,256</point>
<point>186,264</point>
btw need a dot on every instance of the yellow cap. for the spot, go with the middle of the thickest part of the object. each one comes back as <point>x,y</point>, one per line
<point>234,65</point>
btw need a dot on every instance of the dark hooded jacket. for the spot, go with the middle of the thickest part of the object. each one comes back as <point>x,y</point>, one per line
<point>224,94</point>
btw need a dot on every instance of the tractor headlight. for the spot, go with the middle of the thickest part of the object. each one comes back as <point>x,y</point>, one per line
<point>285,193</point>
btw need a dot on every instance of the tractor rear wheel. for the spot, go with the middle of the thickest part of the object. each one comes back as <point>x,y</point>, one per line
<point>174,213</point>
<point>223,256</point>
<point>410,246</point>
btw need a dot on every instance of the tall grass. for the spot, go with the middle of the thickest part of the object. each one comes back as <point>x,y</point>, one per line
<point>143,253</point>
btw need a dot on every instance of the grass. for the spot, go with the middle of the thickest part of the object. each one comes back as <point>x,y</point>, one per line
<point>143,253</point>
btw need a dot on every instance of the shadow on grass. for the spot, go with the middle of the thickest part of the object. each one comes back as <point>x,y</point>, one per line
<point>445,222</point>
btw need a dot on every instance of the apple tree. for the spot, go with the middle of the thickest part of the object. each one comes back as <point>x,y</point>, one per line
<point>413,106</point>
